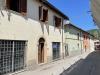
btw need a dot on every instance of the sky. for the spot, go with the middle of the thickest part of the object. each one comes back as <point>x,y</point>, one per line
<point>77,11</point>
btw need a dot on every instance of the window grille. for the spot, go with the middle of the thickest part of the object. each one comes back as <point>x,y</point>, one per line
<point>12,55</point>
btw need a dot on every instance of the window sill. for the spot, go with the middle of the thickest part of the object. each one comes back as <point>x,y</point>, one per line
<point>44,21</point>
<point>18,13</point>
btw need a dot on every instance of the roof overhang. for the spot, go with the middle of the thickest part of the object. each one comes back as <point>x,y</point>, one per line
<point>45,2</point>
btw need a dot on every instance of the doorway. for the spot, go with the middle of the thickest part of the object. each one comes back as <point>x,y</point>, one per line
<point>56,50</point>
<point>66,50</point>
<point>41,50</point>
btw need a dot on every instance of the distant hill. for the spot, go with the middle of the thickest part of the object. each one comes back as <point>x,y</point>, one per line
<point>95,32</point>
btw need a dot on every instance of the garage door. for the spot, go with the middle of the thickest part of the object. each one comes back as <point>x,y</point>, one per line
<point>12,55</point>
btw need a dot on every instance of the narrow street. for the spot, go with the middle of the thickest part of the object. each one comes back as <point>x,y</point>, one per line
<point>89,66</point>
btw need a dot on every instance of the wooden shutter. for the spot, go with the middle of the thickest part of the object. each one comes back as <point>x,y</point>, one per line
<point>47,15</point>
<point>8,4</point>
<point>40,13</point>
<point>23,7</point>
<point>57,22</point>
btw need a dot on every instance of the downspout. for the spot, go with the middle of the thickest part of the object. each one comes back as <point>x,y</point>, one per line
<point>81,42</point>
<point>62,39</point>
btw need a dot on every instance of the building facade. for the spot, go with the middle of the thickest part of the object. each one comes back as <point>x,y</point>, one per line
<point>73,40</point>
<point>77,41</point>
<point>31,34</point>
<point>86,42</point>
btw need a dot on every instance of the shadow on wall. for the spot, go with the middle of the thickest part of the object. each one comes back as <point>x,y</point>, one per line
<point>9,12</point>
<point>44,25</point>
<point>89,66</point>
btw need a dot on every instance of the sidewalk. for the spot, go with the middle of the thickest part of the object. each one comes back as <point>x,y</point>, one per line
<point>54,68</point>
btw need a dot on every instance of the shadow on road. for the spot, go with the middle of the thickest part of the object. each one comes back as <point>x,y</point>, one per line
<point>88,66</point>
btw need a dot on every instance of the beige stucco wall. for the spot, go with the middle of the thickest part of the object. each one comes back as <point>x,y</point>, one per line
<point>16,27</point>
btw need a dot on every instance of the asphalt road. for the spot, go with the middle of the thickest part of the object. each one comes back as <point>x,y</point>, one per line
<point>88,66</point>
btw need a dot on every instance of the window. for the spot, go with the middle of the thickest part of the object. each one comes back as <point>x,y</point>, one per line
<point>78,45</point>
<point>66,50</point>
<point>56,50</point>
<point>17,5</point>
<point>12,55</point>
<point>84,37</point>
<point>43,14</point>
<point>57,21</point>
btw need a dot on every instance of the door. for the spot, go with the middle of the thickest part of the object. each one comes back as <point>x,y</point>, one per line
<point>56,50</point>
<point>66,50</point>
<point>41,51</point>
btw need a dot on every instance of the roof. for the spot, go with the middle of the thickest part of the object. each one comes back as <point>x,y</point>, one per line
<point>45,2</point>
<point>79,28</point>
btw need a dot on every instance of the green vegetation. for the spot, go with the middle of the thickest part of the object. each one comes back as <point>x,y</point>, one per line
<point>95,32</point>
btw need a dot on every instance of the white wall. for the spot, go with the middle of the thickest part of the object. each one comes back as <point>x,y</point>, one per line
<point>16,27</point>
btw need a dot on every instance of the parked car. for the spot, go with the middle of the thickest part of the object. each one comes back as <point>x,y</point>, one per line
<point>97,45</point>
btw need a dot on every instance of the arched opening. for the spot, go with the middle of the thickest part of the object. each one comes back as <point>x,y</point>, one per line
<point>41,50</point>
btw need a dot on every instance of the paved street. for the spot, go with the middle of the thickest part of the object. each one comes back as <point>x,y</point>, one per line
<point>88,66</point>
<point>54,68</point>
<point>85,64</point>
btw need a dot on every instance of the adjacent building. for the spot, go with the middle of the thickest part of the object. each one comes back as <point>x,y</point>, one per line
<point>77,41</point>
<point>86,41</point>
<point>73,40</point>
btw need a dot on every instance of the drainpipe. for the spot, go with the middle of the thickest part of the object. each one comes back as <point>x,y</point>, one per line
<point>81,42</point>
<point>62,39</point>
<point>65,22</point>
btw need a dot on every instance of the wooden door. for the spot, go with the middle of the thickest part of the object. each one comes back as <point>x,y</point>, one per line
<point>41,53</point>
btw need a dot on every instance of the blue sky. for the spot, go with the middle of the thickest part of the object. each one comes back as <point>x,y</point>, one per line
<point>77,11</point>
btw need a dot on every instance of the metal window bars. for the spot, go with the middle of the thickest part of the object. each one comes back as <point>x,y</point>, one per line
<point>11,56</point>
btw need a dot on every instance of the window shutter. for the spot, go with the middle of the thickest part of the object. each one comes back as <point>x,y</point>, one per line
<point>40,13</point>
<point>23,7</point>
<point>46,15</point>
<point>8,4</point>
<point>57,22</point>
<point>55,19</point>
